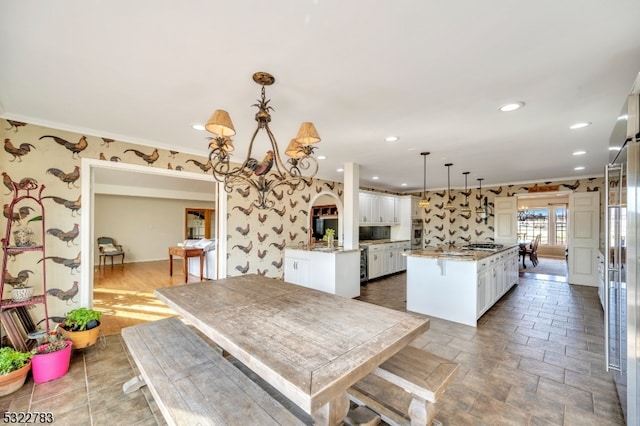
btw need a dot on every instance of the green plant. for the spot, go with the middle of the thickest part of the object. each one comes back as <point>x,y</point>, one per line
<point>11,359</point>
<point>52,343</point>
<point>327,233</point>
<point>78,319</point>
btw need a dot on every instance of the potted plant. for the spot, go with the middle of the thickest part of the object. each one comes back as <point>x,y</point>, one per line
<point>329,235</point>
<point>14,366</point>
<point>51,358</point>
<point>82,327</point>
<point>23,237</point>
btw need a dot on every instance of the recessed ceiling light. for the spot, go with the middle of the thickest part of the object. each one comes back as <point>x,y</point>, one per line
<point>580,125</point>
<point>322,157</point>
<point>614,148</point>
<point>579,168</point>
<point>197,127</point>
<point>391,138</point>
<point>340,170</point>
<point>623,117</point>
<point>375,178</point>
<point>580,153</point>
<point>511,106</point>
<point>403,184</point>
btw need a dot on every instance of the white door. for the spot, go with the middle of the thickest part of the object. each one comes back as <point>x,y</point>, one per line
<point>505,220</point>
<point>584,235</point>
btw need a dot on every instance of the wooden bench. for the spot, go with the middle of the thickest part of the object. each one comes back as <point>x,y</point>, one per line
<point>404,389</point>
<point>192,383</point>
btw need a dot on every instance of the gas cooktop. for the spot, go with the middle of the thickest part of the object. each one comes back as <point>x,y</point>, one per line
<point>484,246</point>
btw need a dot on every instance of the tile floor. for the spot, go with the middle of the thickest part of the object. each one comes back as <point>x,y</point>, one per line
<point>536,358</point>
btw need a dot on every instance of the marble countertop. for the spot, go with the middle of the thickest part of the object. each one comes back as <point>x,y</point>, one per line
<point>455,253</point>
<point>320,248</point>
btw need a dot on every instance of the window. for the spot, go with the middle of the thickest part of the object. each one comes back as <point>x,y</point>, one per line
<point>549,222</point>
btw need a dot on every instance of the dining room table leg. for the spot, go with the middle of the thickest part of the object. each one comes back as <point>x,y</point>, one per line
<point>333,412</point>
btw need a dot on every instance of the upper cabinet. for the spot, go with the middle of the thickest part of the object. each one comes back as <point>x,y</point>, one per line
<point>378,209</point>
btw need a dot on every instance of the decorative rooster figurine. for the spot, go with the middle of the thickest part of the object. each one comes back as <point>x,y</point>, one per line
<point>263,167</point>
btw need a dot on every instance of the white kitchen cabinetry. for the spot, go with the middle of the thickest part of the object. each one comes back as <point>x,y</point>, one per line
<point>386,258</point>
<point>335,272</point>
<point>296,266</point>
<point>459,290</point>
<point>378,209</point>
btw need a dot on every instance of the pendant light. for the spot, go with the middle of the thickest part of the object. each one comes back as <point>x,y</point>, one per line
<point>449,205</point>
<point>424,202</point>
<point>465,207</point>
<point>480,210</point>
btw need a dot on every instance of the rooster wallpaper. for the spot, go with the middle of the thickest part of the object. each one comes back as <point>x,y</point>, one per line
<point>256,238</point>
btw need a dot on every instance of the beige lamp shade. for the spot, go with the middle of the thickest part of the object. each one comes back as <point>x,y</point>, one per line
<point>220,124</point>
<point>294,149</point>
<point>307,134</point>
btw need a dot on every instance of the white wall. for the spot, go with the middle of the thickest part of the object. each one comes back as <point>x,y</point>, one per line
<point>145,227</point>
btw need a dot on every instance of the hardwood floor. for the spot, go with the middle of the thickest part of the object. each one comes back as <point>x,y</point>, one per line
<point>124,293</point>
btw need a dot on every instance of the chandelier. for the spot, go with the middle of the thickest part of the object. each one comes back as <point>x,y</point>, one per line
<point>267,174</point>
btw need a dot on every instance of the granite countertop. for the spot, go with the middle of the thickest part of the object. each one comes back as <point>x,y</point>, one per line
<point>321,248</point>
<point>371,242</point>
<point>455,253</point>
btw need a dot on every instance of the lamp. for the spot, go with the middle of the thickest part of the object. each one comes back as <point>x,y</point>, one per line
<point>424,202</point>
<point>483,209</point>
<point>465,207</point>
<point>449,205</point>
<point>271,172</point>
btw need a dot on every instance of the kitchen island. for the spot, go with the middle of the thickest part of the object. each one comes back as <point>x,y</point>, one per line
<point>332,270</point>
<point>459,285</point>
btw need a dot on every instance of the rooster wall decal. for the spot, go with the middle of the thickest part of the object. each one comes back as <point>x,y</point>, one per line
<point>21,279</point>
<point>262,167</point>
<point>306,198</point>
<point>22,213</point>
<point>72,264</point>
<point>279,246</point>
<point>262,218</point>
<point>243,269</point>
<point>68,178</point>
<point>279,230</point>
<point>148,158</point>
<point>19,152</point>
<point>293,236</point>
<point>244,231</point>
<point>304,229</point>
<point>15,125</point>
<point>293,218</point>
<point>74,206</point>
<point>106,141</point>
<point>330,185</point>
<point>261,237</point>
<point>277,264</point>
<point>67,237</point>
<point>65,295</point>
<point>280,212</point>
<point>262,273</point>
<point>572,187</point>
<point>247,212</point>
<point>262,253</point>
<point>246,249</point>
<point>495,191</point>
<point>205,167</point>
<point>292,203</point>
<point>279,196</point>
<point>304,212</point>
<point>8,182</point>
<point>75,148</point>
<point>244,192</point>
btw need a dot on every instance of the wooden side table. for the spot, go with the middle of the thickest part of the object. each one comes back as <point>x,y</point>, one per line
<point>186,253</point>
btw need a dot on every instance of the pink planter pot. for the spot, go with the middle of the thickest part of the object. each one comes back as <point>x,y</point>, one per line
<point>51,366</point>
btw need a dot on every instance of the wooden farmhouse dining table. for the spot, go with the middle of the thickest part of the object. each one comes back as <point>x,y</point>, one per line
<point>309,345</point>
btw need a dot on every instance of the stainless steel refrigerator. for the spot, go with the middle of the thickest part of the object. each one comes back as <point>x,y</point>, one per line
<point>622,248</point>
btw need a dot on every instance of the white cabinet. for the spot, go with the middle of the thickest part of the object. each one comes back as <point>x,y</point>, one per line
<point>386,258</point>
<point>377,209</point>
<point>332,272</point>
<point>296,266</point>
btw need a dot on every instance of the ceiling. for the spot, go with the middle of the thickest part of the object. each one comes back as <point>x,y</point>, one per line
<point>432,73</point>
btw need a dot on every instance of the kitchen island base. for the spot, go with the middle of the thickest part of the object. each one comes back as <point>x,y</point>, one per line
<point>459,288</point>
